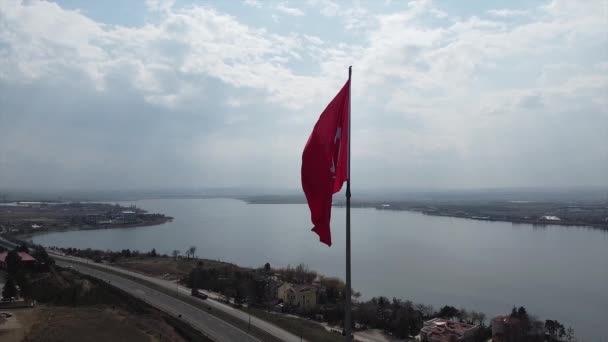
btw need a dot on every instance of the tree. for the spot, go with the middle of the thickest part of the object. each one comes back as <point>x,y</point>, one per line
<point>570,334</point>
<point>553,328</point>
<point>13,262</point>
<point>383,305</point>
<point>23,248</point>
<point>9,290</point>
<point>267,268</point>
<point>426,310</point>
<point>153,253</point>
<point>448,312</point>
<point>522,313</point>
<point>190,251</point>
<point>481,317</point>
<point>238,297</point>
<point>303,275</point>
<point>463,316</point>
<point>175,253</point>
<point>42,256</point>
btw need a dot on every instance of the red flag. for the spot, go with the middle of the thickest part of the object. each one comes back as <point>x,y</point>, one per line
<point>324,162</point>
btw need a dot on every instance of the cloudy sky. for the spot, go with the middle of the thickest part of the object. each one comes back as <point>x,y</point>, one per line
<point>161,94</point>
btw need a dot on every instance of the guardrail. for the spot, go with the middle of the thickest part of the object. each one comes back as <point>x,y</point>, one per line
<point>176,317</point>
<point>223,315</point>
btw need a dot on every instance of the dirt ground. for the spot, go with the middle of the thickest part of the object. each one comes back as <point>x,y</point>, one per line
<point>97,323</point>
<point>15,328</point>
<point>168,268</point>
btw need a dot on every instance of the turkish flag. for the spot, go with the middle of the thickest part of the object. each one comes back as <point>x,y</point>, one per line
<point>324,162</point>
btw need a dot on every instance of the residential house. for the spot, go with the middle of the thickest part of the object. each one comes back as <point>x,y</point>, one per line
<point>26,259</point>
<point>443,330</point>
<point>301,296</point>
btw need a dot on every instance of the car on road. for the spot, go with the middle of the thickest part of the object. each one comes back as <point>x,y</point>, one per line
<point>199,294</point>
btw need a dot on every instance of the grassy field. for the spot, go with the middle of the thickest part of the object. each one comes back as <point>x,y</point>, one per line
<point>98,323</point>
<point>159,266</point>
<point>80,308</point>
<point>310,331</point>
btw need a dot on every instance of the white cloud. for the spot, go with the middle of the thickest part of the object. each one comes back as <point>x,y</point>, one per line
<point>327,8</point>
<point>253,3</point>
<point>159,5</point>
<point>314,39</point>
<point>446,94</point>
<point>354,16</point>
<point>284,8</point>
<point>505,12</point>
<point>439,13</point>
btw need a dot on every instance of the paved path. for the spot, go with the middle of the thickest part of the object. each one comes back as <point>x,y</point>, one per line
<point>210,325</point>
<point>272,329</point>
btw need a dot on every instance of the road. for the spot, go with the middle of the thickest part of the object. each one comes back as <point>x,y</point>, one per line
<point>273,330</point>
<point>212,326</point>
<point>269,328</point>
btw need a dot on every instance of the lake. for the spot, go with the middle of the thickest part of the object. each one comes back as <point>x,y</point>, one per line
<point>555,272</point>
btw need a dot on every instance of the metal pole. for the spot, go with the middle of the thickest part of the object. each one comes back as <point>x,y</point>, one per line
<point>347,309</point>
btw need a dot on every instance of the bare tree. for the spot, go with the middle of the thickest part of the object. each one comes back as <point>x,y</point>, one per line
<point>190,251</point>
<point>570,334</point>
<point>175,253</point>
<point>481,318</point>
<point>427,310</point>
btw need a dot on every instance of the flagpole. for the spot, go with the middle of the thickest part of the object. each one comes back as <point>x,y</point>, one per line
<point>347,309</point>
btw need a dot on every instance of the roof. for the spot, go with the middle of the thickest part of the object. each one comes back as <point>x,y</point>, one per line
<point>24,256</point>
<point>299,288</point>
<point>128,212</point>
<point>439,329</point>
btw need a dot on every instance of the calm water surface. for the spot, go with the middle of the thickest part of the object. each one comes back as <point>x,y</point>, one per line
<point>555,272</point>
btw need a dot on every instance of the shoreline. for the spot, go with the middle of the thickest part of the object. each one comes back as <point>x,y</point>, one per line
<point>530,222</point>
<point>70,229</point>
<point>420,209</point>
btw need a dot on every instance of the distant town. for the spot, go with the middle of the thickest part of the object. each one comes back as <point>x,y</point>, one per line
<point>587,214</point>
<point>34,217</point>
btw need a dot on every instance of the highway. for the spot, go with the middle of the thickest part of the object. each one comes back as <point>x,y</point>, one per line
<point>210,325</point>
<point>216,328</point>
<point>271,329</point>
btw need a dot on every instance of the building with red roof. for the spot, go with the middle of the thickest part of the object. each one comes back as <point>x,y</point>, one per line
<point>443,330</point>
<point>25,258</point>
